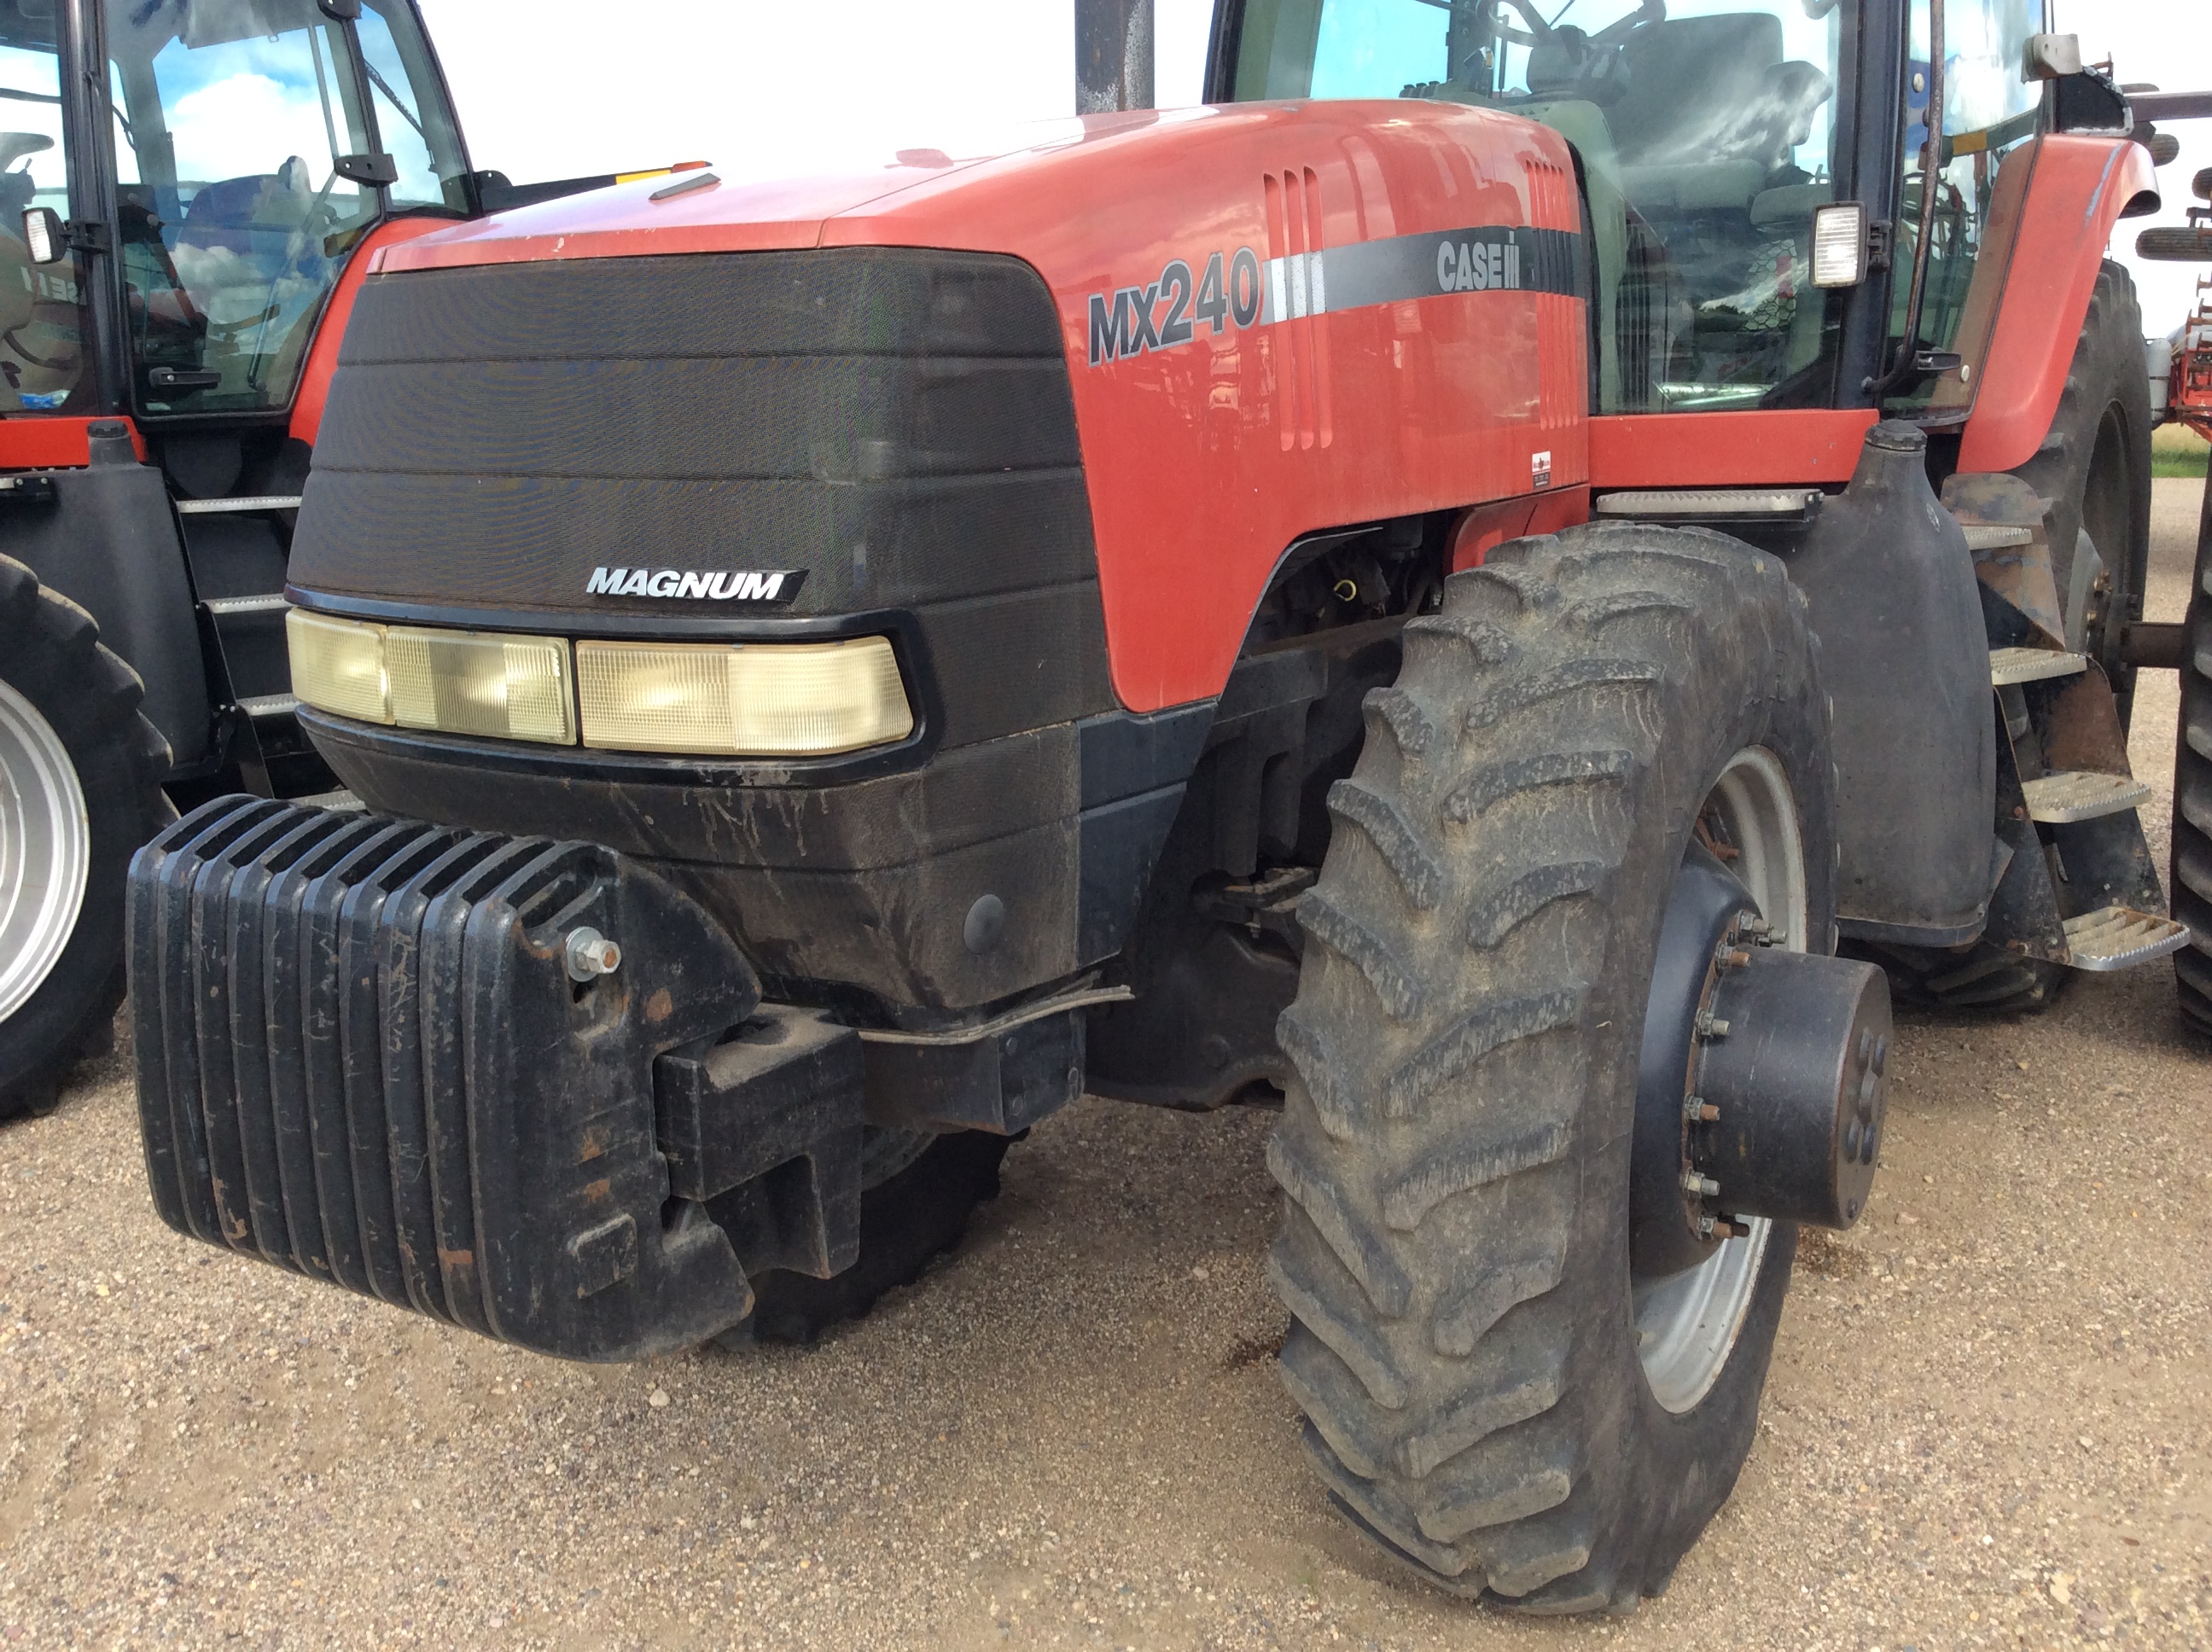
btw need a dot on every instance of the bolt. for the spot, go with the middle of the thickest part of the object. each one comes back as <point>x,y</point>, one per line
<point>1710,1026</point>
<point>589,955</point>
<point>1696,1109</point>
<point>1705,1225</point>
<point>1703,1186</point>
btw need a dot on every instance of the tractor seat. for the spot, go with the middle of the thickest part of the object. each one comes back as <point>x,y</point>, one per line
<point>241,214</point>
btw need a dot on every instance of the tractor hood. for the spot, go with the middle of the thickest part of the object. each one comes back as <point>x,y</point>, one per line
<point>737,209</point>
<point>1123,358</point>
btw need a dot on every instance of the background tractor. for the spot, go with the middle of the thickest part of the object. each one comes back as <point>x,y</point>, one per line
<point>191,194</point>
<point>1469,588</point>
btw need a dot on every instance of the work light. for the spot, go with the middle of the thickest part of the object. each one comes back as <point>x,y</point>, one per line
<point>1839,245</point>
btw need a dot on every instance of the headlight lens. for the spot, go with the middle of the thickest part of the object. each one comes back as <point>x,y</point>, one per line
<point>751,700</point>
<point>481,683</point>
<point>337,667</point>
<point>809,699</point>
<point>454,682</point>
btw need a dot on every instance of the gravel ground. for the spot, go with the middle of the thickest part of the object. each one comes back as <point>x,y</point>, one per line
<point>1990,1422</point>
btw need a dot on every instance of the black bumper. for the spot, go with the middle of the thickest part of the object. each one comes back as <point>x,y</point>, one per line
<point>361,1057</point>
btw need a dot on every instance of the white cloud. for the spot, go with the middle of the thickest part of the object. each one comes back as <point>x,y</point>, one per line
<point>247,124</point>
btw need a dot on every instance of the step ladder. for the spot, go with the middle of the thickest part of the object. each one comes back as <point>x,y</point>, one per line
<point>2110,937</point>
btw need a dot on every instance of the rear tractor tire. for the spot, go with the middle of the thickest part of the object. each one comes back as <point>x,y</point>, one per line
<point>1522,1377</point>
<point>80,790</point>
<point>2191,885</point>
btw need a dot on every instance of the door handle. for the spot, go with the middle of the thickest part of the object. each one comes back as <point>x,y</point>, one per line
<point>182,378</point>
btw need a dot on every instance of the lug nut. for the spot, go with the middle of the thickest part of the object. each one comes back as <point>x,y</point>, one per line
<point>590,954</point>
<point>1710,1026</point>
<point>1696,1109</point>
<point>1703,1187</point>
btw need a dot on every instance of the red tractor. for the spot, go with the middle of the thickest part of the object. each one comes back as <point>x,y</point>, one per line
<point>1445,589</point>
<point>187,210</point>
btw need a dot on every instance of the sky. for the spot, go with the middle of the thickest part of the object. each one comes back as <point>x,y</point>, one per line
<point>560,88</point>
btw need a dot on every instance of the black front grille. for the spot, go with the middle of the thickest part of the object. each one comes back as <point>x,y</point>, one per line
<point>897,422</point>
<point>361,1057</point>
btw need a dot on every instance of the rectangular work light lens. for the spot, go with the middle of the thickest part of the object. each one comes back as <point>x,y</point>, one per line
<point>1839,245</point>
<point>755,700</point>
<point>337,665</point>
<point>480,683</point>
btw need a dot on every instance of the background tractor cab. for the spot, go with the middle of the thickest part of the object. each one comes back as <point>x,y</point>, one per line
<point>191,191</point>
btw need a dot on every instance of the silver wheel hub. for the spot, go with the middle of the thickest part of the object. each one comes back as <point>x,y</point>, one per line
<point>45,850</point>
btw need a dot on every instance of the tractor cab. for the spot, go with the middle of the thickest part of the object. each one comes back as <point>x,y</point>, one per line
<point>1748,187</point>
<point>229,156</point>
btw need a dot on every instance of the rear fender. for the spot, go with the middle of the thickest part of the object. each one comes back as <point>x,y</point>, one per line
<point>2082,187</point>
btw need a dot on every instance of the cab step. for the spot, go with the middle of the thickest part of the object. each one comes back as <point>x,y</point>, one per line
<point>2119,937</point>
<point>2011,665</point>
<point>2081,794</point>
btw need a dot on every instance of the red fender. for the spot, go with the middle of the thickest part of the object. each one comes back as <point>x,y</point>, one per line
<point>2080,188</point>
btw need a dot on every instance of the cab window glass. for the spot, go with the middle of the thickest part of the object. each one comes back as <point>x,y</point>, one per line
<point>234,220</point>
<point>41,305</point>
<point>1708,129</point>
<point>1990,114</point>
<point>412,121</point>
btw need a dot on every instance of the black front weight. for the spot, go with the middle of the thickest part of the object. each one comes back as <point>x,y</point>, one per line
<point>402,1059</point>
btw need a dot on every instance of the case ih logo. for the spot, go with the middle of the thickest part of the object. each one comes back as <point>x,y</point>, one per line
<point>717,587</point>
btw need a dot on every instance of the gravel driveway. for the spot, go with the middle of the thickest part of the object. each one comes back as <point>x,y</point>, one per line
<point>1990,1422</point>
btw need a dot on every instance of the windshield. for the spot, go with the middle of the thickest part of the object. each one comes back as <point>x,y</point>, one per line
<point>41,320</point>
<point>249,134</point>
<point>1707,129</point>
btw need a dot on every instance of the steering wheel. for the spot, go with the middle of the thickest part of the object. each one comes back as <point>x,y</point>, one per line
<point>1539,32</point>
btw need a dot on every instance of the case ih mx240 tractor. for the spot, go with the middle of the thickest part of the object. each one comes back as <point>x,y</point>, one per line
<point>188,199</point>
<point>1443,587</point>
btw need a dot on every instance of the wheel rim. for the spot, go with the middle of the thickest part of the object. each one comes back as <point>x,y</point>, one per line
<point>1688,1323</point>
<point>45,850</point>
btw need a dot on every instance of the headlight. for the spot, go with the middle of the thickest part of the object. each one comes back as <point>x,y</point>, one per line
<point>337,667</point>
<point>453,682</point>
<point>803,699</point>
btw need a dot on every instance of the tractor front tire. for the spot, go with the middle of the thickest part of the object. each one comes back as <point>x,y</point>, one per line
<point>80,790</point>
<point>1491,1395</point>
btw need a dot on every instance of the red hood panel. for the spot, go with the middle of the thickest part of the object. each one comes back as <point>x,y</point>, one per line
<point>738,213</point>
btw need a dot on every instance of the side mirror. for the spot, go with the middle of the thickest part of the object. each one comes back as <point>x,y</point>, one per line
<point>1842,248</point>
<point>43,234</point>
<point>2052,57</point>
